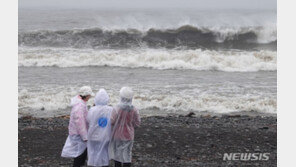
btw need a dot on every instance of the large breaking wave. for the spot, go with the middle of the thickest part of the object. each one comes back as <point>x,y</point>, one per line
<point>185,36</point>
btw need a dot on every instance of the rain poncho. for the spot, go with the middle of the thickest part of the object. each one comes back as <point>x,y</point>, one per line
<point>124,119</point>
<point>99,132</point>
<point>75,143</point>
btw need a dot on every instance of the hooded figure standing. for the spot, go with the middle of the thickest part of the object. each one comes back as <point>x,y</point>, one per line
<point>124,119</point>
<point>99,132</point>
<point>75,146</point>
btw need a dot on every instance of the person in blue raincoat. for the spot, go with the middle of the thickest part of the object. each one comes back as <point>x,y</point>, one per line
<point>99,132</point>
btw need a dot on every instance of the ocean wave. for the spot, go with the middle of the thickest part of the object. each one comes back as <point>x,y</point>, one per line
<point>184,36</point>
<point>56,102</point>
<point>197,59</point>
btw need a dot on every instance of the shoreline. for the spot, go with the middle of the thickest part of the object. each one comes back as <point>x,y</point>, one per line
<point>162,141</point>
<point>152,113</point>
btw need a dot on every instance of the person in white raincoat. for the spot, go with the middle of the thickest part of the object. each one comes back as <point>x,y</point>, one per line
<point>124,119</point>
<point>75,146</point>
<point>99,132</point>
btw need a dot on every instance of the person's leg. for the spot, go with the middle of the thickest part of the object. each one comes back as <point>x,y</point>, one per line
<point>80,160</point>
<point>117,164</point>
<point>127,164</point>
<point>128,153</point>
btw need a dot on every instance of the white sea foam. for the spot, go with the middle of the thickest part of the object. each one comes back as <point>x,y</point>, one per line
<point>243,61</point>
<point>55,101</point>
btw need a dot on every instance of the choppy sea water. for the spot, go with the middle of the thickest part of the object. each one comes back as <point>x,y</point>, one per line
<point>46,91</point>
<point>176,62</point>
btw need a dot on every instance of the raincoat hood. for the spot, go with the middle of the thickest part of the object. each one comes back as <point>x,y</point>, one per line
<point>126,92</point>
<point>102,98</point>
<point>126,97</point>
<point>75,100</point>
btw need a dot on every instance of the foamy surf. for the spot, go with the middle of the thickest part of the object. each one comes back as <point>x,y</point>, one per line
<point>46,91</point>
<point>230,61</point>
<point>56,102</point>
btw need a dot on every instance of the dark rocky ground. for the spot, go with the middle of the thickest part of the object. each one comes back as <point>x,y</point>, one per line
<point>173,141</point>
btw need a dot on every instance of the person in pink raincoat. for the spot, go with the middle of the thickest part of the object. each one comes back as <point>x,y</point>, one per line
<point>125,118</point>
<point>75,146</point>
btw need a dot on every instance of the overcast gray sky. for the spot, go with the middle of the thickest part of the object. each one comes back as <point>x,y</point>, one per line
<point>142,4</point>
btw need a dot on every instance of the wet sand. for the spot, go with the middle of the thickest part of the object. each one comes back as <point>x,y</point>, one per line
<point>162,141</point>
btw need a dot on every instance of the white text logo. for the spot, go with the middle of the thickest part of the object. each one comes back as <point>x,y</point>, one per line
<point>246,156</point>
